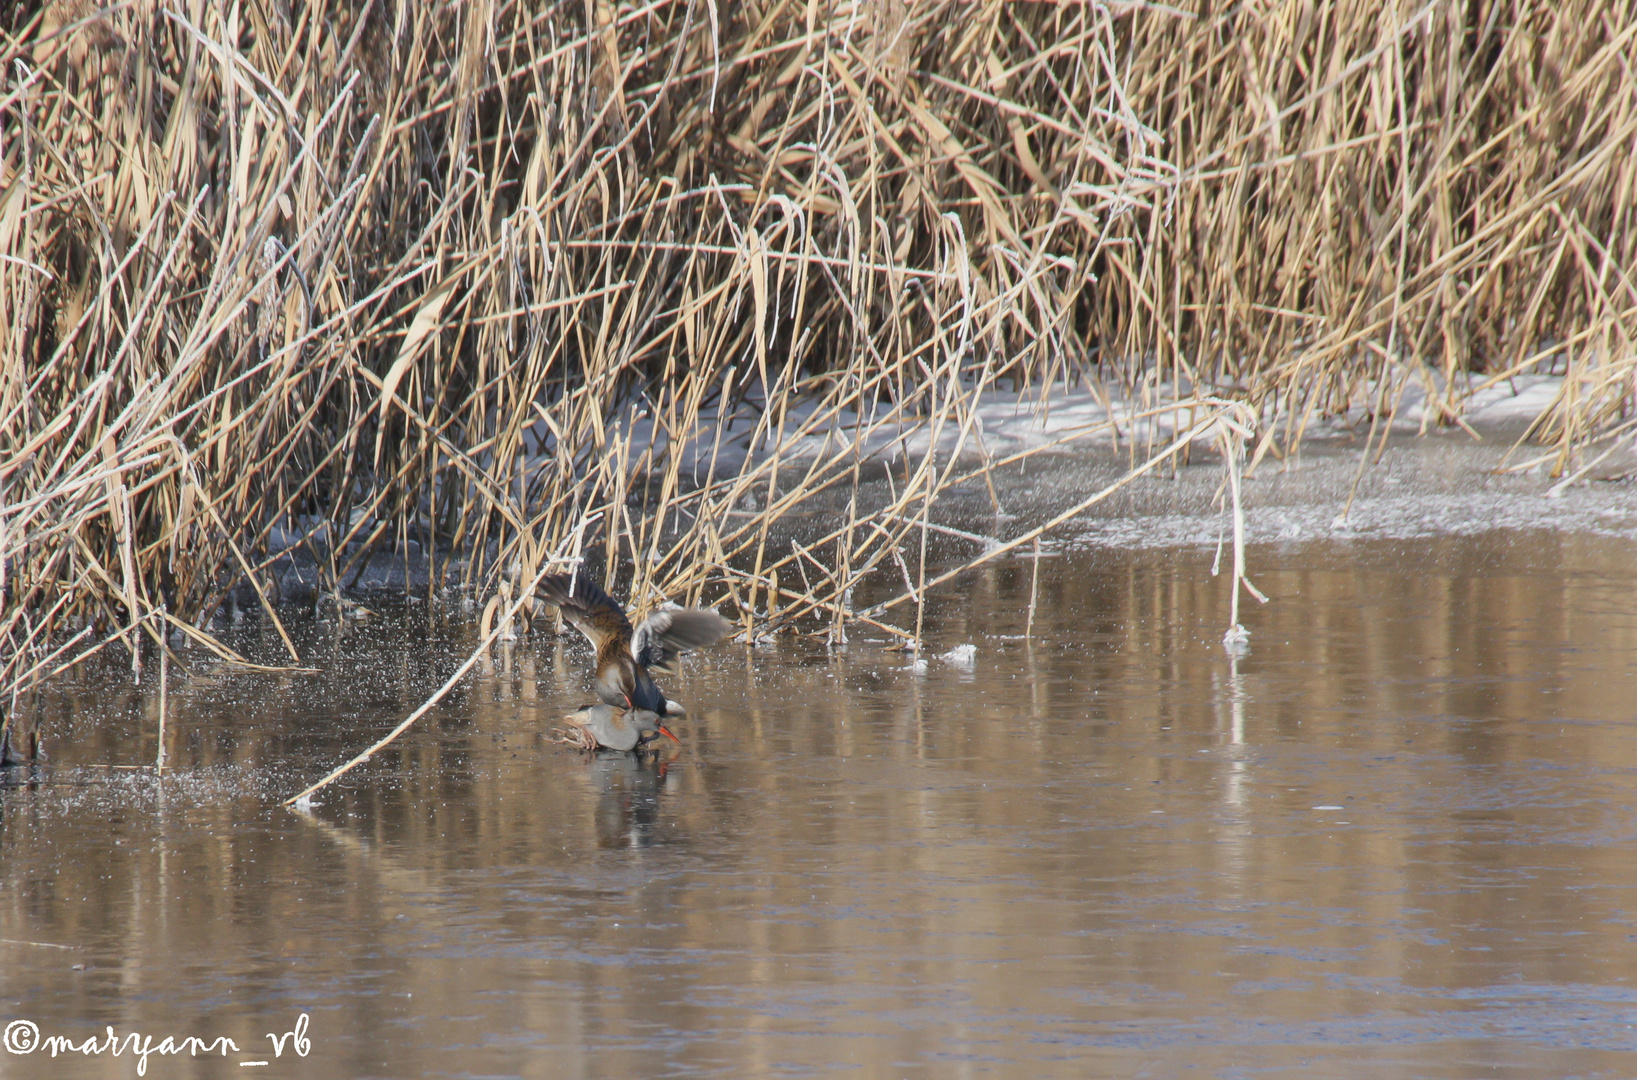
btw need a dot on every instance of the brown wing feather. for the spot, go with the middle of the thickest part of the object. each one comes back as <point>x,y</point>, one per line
<point>587,608</point>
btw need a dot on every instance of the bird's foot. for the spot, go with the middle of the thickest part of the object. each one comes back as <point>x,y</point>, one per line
<point>578,737</point>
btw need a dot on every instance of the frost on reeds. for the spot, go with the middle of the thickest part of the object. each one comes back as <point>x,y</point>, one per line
<point>496,279</point>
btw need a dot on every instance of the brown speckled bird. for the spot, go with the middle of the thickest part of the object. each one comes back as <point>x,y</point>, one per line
<point>625,655</point>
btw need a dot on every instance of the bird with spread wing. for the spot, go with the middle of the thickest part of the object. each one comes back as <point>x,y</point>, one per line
<point>626,654</point>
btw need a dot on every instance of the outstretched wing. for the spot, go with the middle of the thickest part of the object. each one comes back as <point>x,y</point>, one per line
<point>665,635</point>
<point>586,607</point>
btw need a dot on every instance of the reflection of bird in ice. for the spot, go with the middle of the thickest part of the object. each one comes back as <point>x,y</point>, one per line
<point>626,655</point>
<point>628,790</point>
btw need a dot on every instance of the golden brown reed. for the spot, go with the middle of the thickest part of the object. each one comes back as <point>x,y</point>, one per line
<point>365,274</point>
<point>1373,194</point>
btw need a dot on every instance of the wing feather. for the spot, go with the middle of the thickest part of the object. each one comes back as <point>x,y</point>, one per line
<point>666,635</point>
<point>586,607</point>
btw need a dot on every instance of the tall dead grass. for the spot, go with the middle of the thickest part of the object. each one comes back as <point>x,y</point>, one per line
<point>488,279</point>
<point>355,276</point>
<point>1378,194</point>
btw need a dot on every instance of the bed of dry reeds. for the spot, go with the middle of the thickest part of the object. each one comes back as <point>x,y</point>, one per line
<point>1376,193</point>
<point>488,279</point>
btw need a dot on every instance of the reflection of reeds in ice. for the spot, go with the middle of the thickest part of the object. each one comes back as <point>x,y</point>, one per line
<point>467,279</point>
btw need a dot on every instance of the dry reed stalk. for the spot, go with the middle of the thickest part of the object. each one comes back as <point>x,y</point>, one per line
<point>302,800</point>
<point>164,699</point>
<point>1034,590</point>
<point>1231,438</point>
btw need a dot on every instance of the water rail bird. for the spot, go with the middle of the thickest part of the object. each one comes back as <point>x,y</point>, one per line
<point>609,727</point>
<point>625,655</point>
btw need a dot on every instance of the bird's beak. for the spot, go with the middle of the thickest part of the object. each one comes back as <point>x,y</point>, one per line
<point>665,731</point>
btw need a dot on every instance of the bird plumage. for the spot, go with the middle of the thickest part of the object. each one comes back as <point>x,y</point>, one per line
<point>610,727</point>
<point>625,653</point>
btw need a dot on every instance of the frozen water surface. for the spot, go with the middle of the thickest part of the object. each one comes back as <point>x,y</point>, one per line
<point>1395,839</point>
